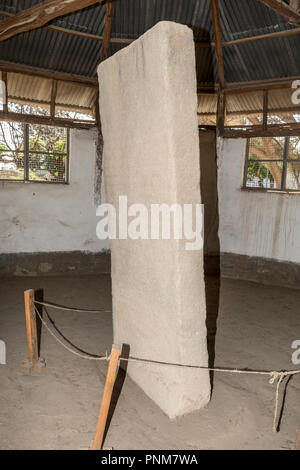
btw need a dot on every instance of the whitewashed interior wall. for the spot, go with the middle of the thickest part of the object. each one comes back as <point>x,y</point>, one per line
<point>253,223</point>
<point>37,217</point>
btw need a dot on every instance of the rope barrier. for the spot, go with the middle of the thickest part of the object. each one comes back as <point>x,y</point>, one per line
<point>60,307</point>
<point>274,375</point>
<point>83,356</point>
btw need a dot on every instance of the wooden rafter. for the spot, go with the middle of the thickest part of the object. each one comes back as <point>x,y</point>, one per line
<point>262,37</point>
<point>218,40</point>
<point>241,87</point>
<point>269,84</point>
<point>43,73</point>
<point>253,131</point>
<point>74,32</point>
<point>249,39</point>
<point>39,15</point>
<point>295,5</point>
<point>287,11</point>
<point>81,34</point>
<point>242,112</point>
<point>109,15</point>
<point>46,120</point>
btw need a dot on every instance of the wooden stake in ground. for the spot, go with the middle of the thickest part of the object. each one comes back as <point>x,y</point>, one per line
<point>31,329</point>
<point>106,399</point>
<point>297,445</point>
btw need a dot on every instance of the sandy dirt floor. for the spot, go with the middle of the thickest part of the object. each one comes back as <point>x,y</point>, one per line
<point>58,408</point>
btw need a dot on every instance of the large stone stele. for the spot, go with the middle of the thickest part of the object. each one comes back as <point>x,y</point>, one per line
<point>148,108</point>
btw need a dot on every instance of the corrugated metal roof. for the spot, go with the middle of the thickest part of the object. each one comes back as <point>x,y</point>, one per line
<point>243,104</point>
<point>36,90</point>
<point>56,51</point>
<point>74,95</point>
<point>207,104</point>
<point>28,87</point>
<point>134,17</point>
<point>243,18</point>
<point>239,19</point>
<point>277,58</point>
<point>245,101</point>
<point>53,51</point>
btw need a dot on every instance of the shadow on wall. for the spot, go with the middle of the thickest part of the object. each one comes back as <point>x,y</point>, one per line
<point>209,197</point>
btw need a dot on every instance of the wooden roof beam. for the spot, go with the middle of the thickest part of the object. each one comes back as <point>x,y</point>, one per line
<point>109,15</point>
<point>46,120</point>
<point>218,40</point>
<point>212,88</point>
<point>44,73</point>
<point>285,10</point>
<point>31,101</point>
<point>269,84</point>
<point>295,5</point>
<point>243,112</point>
<point>39,15</point>
<point>74,32</point>
<point>262,37</point>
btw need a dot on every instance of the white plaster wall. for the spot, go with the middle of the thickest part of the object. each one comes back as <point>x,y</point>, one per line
<point>263,224</point>
<point>37,217</point>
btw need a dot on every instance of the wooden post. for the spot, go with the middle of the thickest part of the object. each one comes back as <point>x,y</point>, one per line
<point>30,316</point>
<point>5,98</point>
<point>221,113</point>
<point>106,398</point>
<point>34,362</point>
<point>53,98</point>
<point>109,16</point>
<point>297,444</point>
<point>265,109</point>
<point>215,12</point>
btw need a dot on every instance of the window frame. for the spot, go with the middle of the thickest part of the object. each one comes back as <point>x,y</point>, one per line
<point>285,161</point>
<point>26,153</point>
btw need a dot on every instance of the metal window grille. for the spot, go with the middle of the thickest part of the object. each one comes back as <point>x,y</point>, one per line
<point>272,163</point>
<point>42,156</point>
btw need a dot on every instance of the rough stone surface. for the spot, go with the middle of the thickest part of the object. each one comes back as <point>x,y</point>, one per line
<point>148,108</point>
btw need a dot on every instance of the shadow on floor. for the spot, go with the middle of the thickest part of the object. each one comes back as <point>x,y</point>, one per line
<point>212,293</point>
